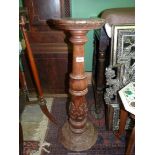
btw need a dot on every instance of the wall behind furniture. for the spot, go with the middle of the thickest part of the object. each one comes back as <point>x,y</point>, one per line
<point>20,3</point>
<point>91,8</point>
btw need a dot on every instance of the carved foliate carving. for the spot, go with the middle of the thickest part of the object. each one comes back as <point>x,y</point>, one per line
<point>78,112</point>
<point>113,85</point>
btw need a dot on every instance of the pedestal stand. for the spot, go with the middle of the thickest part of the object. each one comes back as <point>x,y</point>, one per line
<point>78,133</point>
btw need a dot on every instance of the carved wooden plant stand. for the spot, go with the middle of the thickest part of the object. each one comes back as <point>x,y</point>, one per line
<point>78,133</point>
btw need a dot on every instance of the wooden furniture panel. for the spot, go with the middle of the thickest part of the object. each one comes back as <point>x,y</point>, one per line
<point>49,46</point>
<point>41,10</point>
<point>47,37</point>
<point>53,72</point>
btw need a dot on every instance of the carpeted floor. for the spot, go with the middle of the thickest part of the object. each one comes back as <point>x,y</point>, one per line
<point>34,126</point>
<point>107,143</point>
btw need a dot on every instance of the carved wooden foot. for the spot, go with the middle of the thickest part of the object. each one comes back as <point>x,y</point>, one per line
<point>45,110</point>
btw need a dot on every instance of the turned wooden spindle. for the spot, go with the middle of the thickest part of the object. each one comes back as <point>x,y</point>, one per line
<point>78,133</point>
<point>42,101</point>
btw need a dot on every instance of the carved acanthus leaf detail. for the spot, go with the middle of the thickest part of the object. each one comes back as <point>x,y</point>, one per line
<point>78,112</point>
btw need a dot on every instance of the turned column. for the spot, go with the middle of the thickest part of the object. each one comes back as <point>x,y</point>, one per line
<point>78,83</point>
<point>78,133</point>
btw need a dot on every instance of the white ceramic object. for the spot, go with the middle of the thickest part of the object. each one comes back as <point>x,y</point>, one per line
<point>127,95</point>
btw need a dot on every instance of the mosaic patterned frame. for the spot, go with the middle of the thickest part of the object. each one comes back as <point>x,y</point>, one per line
<point>122,42</point>
<point>121,70</point>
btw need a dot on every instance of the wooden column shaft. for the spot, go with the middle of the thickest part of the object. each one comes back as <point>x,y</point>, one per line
<point>78,83</point>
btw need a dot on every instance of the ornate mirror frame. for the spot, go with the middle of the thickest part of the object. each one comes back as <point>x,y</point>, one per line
<point>121,70</point>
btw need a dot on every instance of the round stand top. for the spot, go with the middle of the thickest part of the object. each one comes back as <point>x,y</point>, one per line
<point>77,23</point>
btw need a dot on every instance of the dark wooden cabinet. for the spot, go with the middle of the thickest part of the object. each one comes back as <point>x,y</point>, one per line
<point>49,46</point>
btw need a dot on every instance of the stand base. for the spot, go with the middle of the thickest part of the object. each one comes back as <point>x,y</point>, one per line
<point>78,142</point>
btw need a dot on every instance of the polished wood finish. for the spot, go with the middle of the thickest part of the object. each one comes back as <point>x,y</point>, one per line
<point>48,64</point>
<point>131,143</point>
<point>32,62</point>
<point>123,119</point>
<point>42,102</point>
<point>78,133</point>
<point>40,11</point>
<point>109,118</point>
<point>51,53</point>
